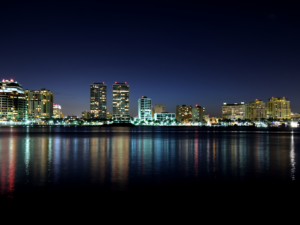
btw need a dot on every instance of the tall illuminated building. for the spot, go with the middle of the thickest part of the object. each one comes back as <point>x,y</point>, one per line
<point>233,111</point>
<point>98,100</point>
<point>121,101</point>
<point>144,108</point>
<point>278,108</point>
<point>13,103</point>
<point>184,113</point>
<point>255,111</point>
<point>198,114</point>
<point>39,104</point>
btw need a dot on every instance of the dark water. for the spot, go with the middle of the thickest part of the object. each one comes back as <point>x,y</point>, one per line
<point>122,159</point>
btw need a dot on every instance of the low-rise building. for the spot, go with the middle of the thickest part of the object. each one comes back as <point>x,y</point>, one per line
<point>86,115</point>
<point>164,116</point>
<point>233,111</point>
<point>57,111</point>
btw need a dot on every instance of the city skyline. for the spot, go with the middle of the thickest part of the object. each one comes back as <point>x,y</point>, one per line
<point>103,84</point>
<point>175,54</point>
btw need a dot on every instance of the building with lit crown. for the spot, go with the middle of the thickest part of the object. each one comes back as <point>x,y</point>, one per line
<point>13,103</point>
<point>278,108</point>
<point>145,108</point>
<point>198,113</point>
<point>184,113</point>
<point>233,111</point>
<point>255,111</point>
<point>121,101</point>
<point>98,100</point>
<point>39,104</point>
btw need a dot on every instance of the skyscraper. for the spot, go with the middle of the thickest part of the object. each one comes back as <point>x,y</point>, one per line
<point>13,103</point>
<point>278,108</point>
<point>98,100</point>
<point>121,101</point>
<point>145,105</point>
<point>39,104</point>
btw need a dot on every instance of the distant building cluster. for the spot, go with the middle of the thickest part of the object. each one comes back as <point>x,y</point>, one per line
<point>277,109</point>
<point>21,106</point>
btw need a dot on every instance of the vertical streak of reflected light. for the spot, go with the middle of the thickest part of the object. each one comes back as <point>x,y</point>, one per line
<point>12,166</point>
<point>292,156</point>
<point>196,154</point>
<point>27,157</point>
<point>49,159</point>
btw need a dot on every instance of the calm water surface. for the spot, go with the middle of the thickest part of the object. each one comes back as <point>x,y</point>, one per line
<point>123,158</point>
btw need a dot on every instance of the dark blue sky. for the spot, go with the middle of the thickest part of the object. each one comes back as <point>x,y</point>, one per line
<point>179,53</point>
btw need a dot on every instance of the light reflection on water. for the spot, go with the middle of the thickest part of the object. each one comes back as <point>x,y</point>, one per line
<point>119,158</point>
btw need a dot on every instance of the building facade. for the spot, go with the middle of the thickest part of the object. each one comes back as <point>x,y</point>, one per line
<point>86,115</point>
<point>39,104</point>
<point>233,111</point>
<point>278,108</point>
<point>164,116</point>
<point>57,114</point>
<point>145,108</point>
<point>184,113</point>
<point>255,111</point>
<point>121,101</point>
<point>158,108</point>
<point>13,103</point>
<point>198,113</point>
<point>98,103</point>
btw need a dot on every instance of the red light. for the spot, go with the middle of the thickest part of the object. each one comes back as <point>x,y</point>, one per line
<point>283,96</point>
<point>125,82</point>
<point>11,79</point>
<point>3,79</point>
<point>115,82</point>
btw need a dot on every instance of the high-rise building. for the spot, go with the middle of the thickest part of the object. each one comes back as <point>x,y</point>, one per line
<point>233,111</point>
<point>184,113</point>
<point>57,111</point>
<point>144,108</point>
<point>98,100</point>
<point>278,108</point>
<point>121,101</point>
<point>39,104</point>
<point>255,111</point>
<point>13,103</point>
<point>198,113</point>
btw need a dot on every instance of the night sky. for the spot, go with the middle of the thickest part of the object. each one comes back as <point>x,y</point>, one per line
<point>175,53</point>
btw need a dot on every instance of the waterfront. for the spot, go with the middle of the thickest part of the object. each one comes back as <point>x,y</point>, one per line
<point>128,159</point>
